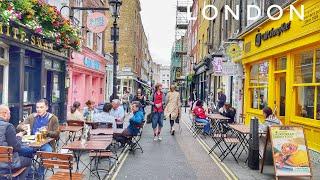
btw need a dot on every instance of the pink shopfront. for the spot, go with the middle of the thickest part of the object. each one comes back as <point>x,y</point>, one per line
<point>87,77</point>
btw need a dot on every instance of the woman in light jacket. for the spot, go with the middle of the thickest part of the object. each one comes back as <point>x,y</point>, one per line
<point>173,104</point>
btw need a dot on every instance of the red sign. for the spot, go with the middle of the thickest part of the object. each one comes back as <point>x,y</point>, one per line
<point>97,22</point>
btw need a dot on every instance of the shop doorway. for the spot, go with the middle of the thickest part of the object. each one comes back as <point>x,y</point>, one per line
<point>53,92</point>
<point>280,95</point>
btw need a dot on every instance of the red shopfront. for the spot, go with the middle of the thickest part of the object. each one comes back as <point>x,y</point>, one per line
<point>87,78</point>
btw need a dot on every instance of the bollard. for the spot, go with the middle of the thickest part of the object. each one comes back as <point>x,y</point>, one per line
<point>253,157</point>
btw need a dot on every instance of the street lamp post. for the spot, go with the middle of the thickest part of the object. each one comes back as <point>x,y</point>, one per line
<point>115,11</point>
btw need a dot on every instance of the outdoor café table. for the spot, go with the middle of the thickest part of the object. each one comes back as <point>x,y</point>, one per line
<point>243,132</point>
<point>215,118</point>
<point>94,125</point>
<point>105,131</point>
<point>77,147</point>
<point>38,145</point>
<point>72,132</point>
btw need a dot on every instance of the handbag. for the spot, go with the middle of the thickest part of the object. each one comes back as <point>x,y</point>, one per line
<point>149,118</point>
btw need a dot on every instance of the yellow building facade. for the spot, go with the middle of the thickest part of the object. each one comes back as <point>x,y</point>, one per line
<point>281,60</point>
<point>203,30</point>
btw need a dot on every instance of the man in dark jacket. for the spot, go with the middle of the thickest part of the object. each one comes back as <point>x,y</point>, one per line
<point>8,137</point>
<point>221,98</point>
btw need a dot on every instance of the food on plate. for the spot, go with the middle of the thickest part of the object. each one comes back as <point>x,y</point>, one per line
<point>298,159</point>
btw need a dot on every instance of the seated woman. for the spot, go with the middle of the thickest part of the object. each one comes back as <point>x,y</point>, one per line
<point>201,116</point>
<point>270,119</point>
<point>228,111</point>
<point>75,113</point>
<point>105,117</point>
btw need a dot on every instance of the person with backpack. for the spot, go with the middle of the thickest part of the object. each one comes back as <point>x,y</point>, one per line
<point>158,106</point>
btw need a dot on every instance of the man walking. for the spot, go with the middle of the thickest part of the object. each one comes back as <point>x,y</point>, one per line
<point>221,98</point>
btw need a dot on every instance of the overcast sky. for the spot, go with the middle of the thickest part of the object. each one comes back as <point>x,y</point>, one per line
<point>158,18</point>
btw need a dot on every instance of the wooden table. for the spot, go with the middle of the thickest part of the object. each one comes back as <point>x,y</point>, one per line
<point>217,117</point>
<point>105,131</point>
<point>78,148</point>
<point>72,132</point>
<point>71,128</point>
<point>37,145</point>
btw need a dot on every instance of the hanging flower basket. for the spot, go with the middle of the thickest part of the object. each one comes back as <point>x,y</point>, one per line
<point>42,19</point>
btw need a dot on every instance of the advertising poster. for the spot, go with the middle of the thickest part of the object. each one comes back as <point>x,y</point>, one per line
<point>290,153</point>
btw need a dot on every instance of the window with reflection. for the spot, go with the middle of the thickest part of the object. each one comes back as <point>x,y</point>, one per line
<point>307,88</point>
<point>258,87</point>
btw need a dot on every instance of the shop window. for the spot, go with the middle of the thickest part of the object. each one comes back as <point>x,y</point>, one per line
<point>307,88</point>
<point>258,87</point>
<point>305,101</point>
<point>303,67</point>
<point>318,66</point>
<point>55,89</point>
<point>318,104</point>
<point>281,64</point>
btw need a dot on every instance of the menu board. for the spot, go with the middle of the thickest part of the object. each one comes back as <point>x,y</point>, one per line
<point>290,152</point>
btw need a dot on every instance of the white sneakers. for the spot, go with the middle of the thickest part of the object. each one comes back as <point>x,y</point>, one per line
<point>156,138</point>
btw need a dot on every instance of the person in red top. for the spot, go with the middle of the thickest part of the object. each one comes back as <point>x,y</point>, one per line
<point>201,116</point>
<point>157,103</point>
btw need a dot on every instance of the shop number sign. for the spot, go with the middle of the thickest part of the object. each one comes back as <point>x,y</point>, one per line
<point>96,22</point>
<point>290,152</point>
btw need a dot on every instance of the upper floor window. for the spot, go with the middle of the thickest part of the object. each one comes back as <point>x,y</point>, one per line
<point>254,12</point>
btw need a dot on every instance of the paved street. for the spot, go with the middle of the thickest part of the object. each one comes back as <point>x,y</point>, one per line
<point>184,157</point>
<point>175,157</point>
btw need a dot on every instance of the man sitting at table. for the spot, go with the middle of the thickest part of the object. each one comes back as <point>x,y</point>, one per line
<point>104,116</point>
<point>117,112</point>
<point>8,137</point>
<point>38,120</point>
<point>134,125</point>
<point>228,112</point>
<point>201,116</point>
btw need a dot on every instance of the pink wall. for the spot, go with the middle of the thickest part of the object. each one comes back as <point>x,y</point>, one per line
<point>86,81</point>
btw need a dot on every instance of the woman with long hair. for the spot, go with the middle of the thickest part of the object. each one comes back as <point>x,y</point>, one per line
<point>173,104</point>
<point>75,113</point>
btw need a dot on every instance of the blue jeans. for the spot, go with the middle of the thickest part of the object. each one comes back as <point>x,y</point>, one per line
<point>207,127</point>
<point>157,118</point>
<point>30,152</point>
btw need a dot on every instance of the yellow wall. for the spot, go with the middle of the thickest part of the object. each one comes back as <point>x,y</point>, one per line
<point>202,33</point>
<point>300,36</point>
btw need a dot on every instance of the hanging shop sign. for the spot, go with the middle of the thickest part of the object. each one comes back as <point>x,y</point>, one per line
<point>217,65</point>
<point>97,22</point>
<point>234,51</point>
<point>27,36</point>
<point>91,63</point>
<point>227,69</point>
<point>274,32</point>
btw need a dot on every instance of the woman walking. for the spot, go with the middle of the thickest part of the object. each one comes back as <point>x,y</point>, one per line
<point>172,110</point>
<point>158,103</point>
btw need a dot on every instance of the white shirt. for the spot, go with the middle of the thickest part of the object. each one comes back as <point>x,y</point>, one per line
<point>118,114</point>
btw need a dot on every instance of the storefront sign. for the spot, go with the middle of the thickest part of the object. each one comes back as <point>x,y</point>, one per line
<point>92,64</point>
<point>25,36</point>
<point>290,152</point>
<point>217,64</point>
<point>97,22</point>
<point>227,69</point>
<point>271,33</point>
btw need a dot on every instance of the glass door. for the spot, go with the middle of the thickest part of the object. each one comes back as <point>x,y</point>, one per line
<point>280,95</point>
<point>53,92</point>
